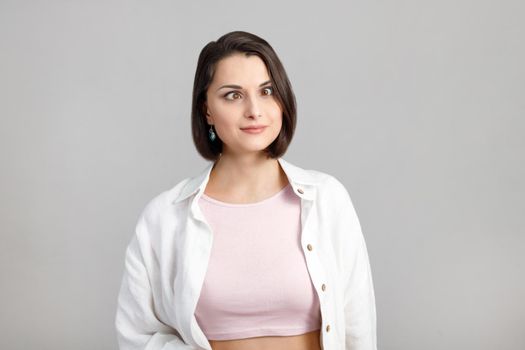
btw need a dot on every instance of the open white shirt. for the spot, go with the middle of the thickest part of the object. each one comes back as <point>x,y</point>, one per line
<point>167,259</point>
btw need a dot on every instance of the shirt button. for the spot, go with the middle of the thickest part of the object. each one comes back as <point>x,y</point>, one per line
<point>300,190</point>
<point>328,328</point>
<point>309,246</point>
<point>323,287</point>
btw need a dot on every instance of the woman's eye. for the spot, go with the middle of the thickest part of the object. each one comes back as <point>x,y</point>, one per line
<point>270,89</point>
<point>232,93</point>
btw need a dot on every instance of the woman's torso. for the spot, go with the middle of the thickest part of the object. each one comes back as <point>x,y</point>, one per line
<point>308,339</point>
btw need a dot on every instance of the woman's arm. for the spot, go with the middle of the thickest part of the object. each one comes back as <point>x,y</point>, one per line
<point>359,296</point>
<point>137,326</point>
<point>360,309</point>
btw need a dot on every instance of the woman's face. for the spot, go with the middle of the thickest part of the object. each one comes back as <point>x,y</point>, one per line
<point>241,95</point>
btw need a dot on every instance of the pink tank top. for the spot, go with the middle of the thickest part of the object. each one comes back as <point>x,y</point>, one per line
<point>257,282</point>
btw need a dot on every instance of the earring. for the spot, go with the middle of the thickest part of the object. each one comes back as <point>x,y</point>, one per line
<point>212,134</point>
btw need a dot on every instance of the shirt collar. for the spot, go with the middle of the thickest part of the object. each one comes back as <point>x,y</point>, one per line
<point>302,181</point>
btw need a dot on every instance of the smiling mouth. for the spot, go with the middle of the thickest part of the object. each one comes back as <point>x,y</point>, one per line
<point>254,130</point>
<point>254,127</point>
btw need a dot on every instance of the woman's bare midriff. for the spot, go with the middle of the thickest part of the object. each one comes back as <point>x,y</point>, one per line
<point>306,341</point>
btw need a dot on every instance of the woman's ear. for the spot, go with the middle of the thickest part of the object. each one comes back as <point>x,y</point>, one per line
<point>207,113</point>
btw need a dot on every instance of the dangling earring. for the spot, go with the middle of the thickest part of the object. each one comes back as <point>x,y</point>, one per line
<point>212,135</point>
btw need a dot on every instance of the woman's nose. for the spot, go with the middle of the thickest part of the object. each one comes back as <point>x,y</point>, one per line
<point>252,107</point>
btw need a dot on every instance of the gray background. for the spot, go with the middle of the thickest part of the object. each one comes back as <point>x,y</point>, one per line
<point>416,106</point>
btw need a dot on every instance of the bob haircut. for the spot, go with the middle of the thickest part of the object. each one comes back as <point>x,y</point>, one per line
<point>227,45</point>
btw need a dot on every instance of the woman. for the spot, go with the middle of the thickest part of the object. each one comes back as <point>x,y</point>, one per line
<point>254,252</point>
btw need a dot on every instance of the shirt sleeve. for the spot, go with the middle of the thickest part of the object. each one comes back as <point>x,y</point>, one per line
<point>137,325</point>
<point>359,296</point>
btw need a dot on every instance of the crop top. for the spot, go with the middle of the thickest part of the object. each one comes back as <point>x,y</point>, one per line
<point>257,283</point>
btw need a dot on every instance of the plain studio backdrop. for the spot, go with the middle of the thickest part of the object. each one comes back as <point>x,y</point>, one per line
<point>416,106</point>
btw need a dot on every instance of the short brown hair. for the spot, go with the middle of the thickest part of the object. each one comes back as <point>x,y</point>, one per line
<point>227,45</point>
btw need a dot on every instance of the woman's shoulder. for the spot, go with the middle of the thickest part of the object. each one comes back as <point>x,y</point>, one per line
<point>326,181</point>
<point>156,205</point>
<point>331,188</point>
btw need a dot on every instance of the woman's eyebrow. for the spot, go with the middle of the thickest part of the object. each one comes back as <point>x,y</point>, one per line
<point>240,87</point>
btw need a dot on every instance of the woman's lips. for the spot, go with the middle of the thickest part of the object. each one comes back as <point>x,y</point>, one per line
<point>254,130</point>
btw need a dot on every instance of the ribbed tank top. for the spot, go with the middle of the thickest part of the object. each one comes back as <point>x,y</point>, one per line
<point>257,282</point>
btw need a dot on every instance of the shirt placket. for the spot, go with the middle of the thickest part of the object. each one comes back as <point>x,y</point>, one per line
<point>314,265</point>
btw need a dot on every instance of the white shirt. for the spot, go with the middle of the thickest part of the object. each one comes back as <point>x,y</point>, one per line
<point>167,259</point>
